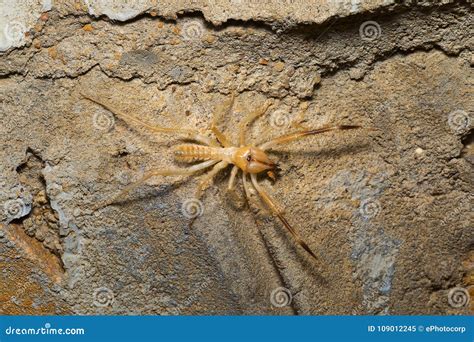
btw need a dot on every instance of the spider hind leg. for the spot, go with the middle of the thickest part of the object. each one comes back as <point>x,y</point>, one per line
<point>270,202</point>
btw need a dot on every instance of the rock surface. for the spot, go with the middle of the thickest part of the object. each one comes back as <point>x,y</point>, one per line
<point>388,211</point>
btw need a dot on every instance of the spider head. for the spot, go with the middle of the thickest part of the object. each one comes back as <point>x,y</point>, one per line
<point>253,160</point>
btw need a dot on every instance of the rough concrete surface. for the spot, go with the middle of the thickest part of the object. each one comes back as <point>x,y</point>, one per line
<point>388,211</point>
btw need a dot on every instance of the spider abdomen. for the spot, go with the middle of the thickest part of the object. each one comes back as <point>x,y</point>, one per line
<point>193,152</point>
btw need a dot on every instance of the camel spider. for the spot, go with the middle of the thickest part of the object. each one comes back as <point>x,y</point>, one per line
<point>221,153</point>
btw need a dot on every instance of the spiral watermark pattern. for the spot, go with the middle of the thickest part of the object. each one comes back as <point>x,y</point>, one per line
<point>281,297</point>
<point>187,303</point>
<point>103,297</point>
<point>369,208</point>
<point>14,31</point>
<point>15,209</point>
<point>369,30</point>
<point>192,208</point>
<point>103,121</point>
<point>279,119</point>
<point>459,121</point>
<point>192,30</point>
<point>458,297</point>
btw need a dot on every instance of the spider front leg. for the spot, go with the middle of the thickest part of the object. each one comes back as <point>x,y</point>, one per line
<point>279,213</point>
<point>153,173</point>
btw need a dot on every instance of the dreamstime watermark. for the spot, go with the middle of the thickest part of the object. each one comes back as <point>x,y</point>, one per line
<point>46,330</point>
<point>280,297</point>
<point>458,297</point>
<point>14,32</point>
<point>370,30</point>
<point>103,121</point>
<point>192,208</point>
<point>15,209</point>
<point>456,212</point>
<point>369,208</point>
<point>103,297</point>
<point>191,299</point>
<point>192,30</point>
<point>459,121</point>
<point>279,119</point>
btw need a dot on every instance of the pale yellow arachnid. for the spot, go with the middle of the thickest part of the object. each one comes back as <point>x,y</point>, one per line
<point>220,153</point>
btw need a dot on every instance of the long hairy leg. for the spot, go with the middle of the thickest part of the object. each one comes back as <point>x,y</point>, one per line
<point>274,208</point>
<point>221,137</point>
<point>230,191</point>
<point>188,133</point>
<point>246,185</point>
<point>248,190</point>
<point>157,172</point>
<point>233,173</point>
<point>250,118</point>
<point>205,181</point>
<point>301,134</point>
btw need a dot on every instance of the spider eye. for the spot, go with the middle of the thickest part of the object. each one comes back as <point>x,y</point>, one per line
<point>249,158</point>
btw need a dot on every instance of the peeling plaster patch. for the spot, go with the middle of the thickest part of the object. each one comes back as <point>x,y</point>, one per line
<point>375,255</point>
<point>17,18</point>
<point>373,251</point>
<point>117,9</point>
<point>360,185</point>
<point>72,238</point>
<point>47,5</point>
<point>354,6</point>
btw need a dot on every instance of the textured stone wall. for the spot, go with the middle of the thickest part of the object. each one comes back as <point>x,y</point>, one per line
<point>388,211</point>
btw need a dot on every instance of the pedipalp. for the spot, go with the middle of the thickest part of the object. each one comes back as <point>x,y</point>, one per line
<point>301,134</point>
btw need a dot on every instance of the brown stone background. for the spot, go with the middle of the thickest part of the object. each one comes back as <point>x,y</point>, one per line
<point>388,211</point>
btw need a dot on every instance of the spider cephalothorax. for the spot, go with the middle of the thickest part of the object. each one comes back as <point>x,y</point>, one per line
<point>252,160</point>
<point>246,158</point>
